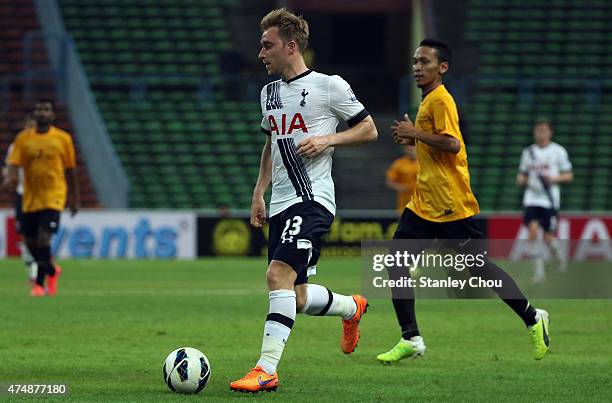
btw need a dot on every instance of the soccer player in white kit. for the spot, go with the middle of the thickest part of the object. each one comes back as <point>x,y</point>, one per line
<point>544,165</point>
<point>26,256</point>
<point>300,114</point>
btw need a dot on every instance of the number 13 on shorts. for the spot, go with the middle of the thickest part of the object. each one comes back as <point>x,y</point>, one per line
<point>292,228</point>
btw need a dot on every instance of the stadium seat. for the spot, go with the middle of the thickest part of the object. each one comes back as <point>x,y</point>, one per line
<point>561,41</point>
<point>172,143</point>
<point>18,19</point>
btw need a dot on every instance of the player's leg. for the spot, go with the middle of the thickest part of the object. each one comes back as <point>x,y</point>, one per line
<point>317,300</point>
<point>532,218</point>
<point>26,256</point>
<point>29,230</point>
<point>29,261</point>
<point>47,226</point>
<point>286,261</point>
<point>411,343</point>
<point>38,287</point>
<point>279,322</point>
<point>549,225</point>
<point>281,314</point>
<point>310,222</point>
<point>470,240</point>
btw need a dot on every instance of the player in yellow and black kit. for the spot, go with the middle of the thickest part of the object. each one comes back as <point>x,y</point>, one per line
<point>443,204</point>
<point>401,177</point>
<point>46,155</point>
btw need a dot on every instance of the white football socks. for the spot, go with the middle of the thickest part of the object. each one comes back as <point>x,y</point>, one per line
<point>279,322</point>
<point>318,303</point>
<point>29,261</point>
<point>555,248</point>
<point>533,249</point>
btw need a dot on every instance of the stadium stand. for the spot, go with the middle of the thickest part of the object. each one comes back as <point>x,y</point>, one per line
<point>153,70</point>
<point>185,138</point>
<point>540,59</point>
<point>24,76</point>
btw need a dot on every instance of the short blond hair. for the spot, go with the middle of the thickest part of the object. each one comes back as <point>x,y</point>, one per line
<point>291,27</point>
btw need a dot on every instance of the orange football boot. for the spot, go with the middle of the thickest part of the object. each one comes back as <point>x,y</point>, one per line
<point>257,380</point>
<point>350,328</point>
<point>52,281</point>
<point>37,291</point>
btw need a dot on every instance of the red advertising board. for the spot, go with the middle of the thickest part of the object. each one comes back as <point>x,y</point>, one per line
<point>588,235</point>
<point>570,227</point>
<point>12,237</point>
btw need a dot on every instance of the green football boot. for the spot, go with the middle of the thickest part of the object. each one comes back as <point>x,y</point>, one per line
<point>540,334</point>
<point>412,348</point>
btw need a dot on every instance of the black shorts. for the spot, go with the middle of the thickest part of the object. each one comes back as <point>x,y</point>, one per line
<point>411,226</point>
<point>18,212</point>
<point>547,217</point>
<point>463,232</point>
<point>295,236</point>
<point>46,220</point>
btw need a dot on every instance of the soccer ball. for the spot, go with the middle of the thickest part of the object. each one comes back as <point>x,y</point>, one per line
<point>186,370</point>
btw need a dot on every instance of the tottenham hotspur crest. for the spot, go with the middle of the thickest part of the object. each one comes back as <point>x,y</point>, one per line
<point>304,93</point>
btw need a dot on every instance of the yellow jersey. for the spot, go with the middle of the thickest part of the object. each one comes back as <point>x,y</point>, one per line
<point>44,158</point>
<point>443,192</point>
<point>404,170</point>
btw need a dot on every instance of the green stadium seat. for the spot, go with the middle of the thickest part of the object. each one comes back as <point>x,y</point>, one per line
<point>562,41</point>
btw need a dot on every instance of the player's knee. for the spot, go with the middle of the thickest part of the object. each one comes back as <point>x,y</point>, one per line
<point>300,298</point>
<point>31,243</point>
<point>44,239</point>
<point>533,230</point>
<point>280,276</point>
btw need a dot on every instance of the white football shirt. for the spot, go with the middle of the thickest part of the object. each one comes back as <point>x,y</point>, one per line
<point>310,104</point>
<point>536,162</point>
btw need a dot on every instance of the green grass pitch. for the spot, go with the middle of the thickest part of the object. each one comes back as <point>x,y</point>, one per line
<point>112,324</point>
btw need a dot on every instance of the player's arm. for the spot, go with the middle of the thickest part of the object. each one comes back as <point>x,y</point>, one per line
<point>521,179</point>
<point>71,176</point>
<point>344,104</point>
<point>258,205</point>
<point>11,177</point>
<point>74,199</point>
<point>4,175</point>
<point>564,177</point>
<point>363,132</point>
<point>522,175</point>
<point>404,132</point>
<point>444,142</point>
<point>406,141</point>
<point>397,186</point>
<point>391,179</point>
<point>10,172</point>
<point>566,174</point>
